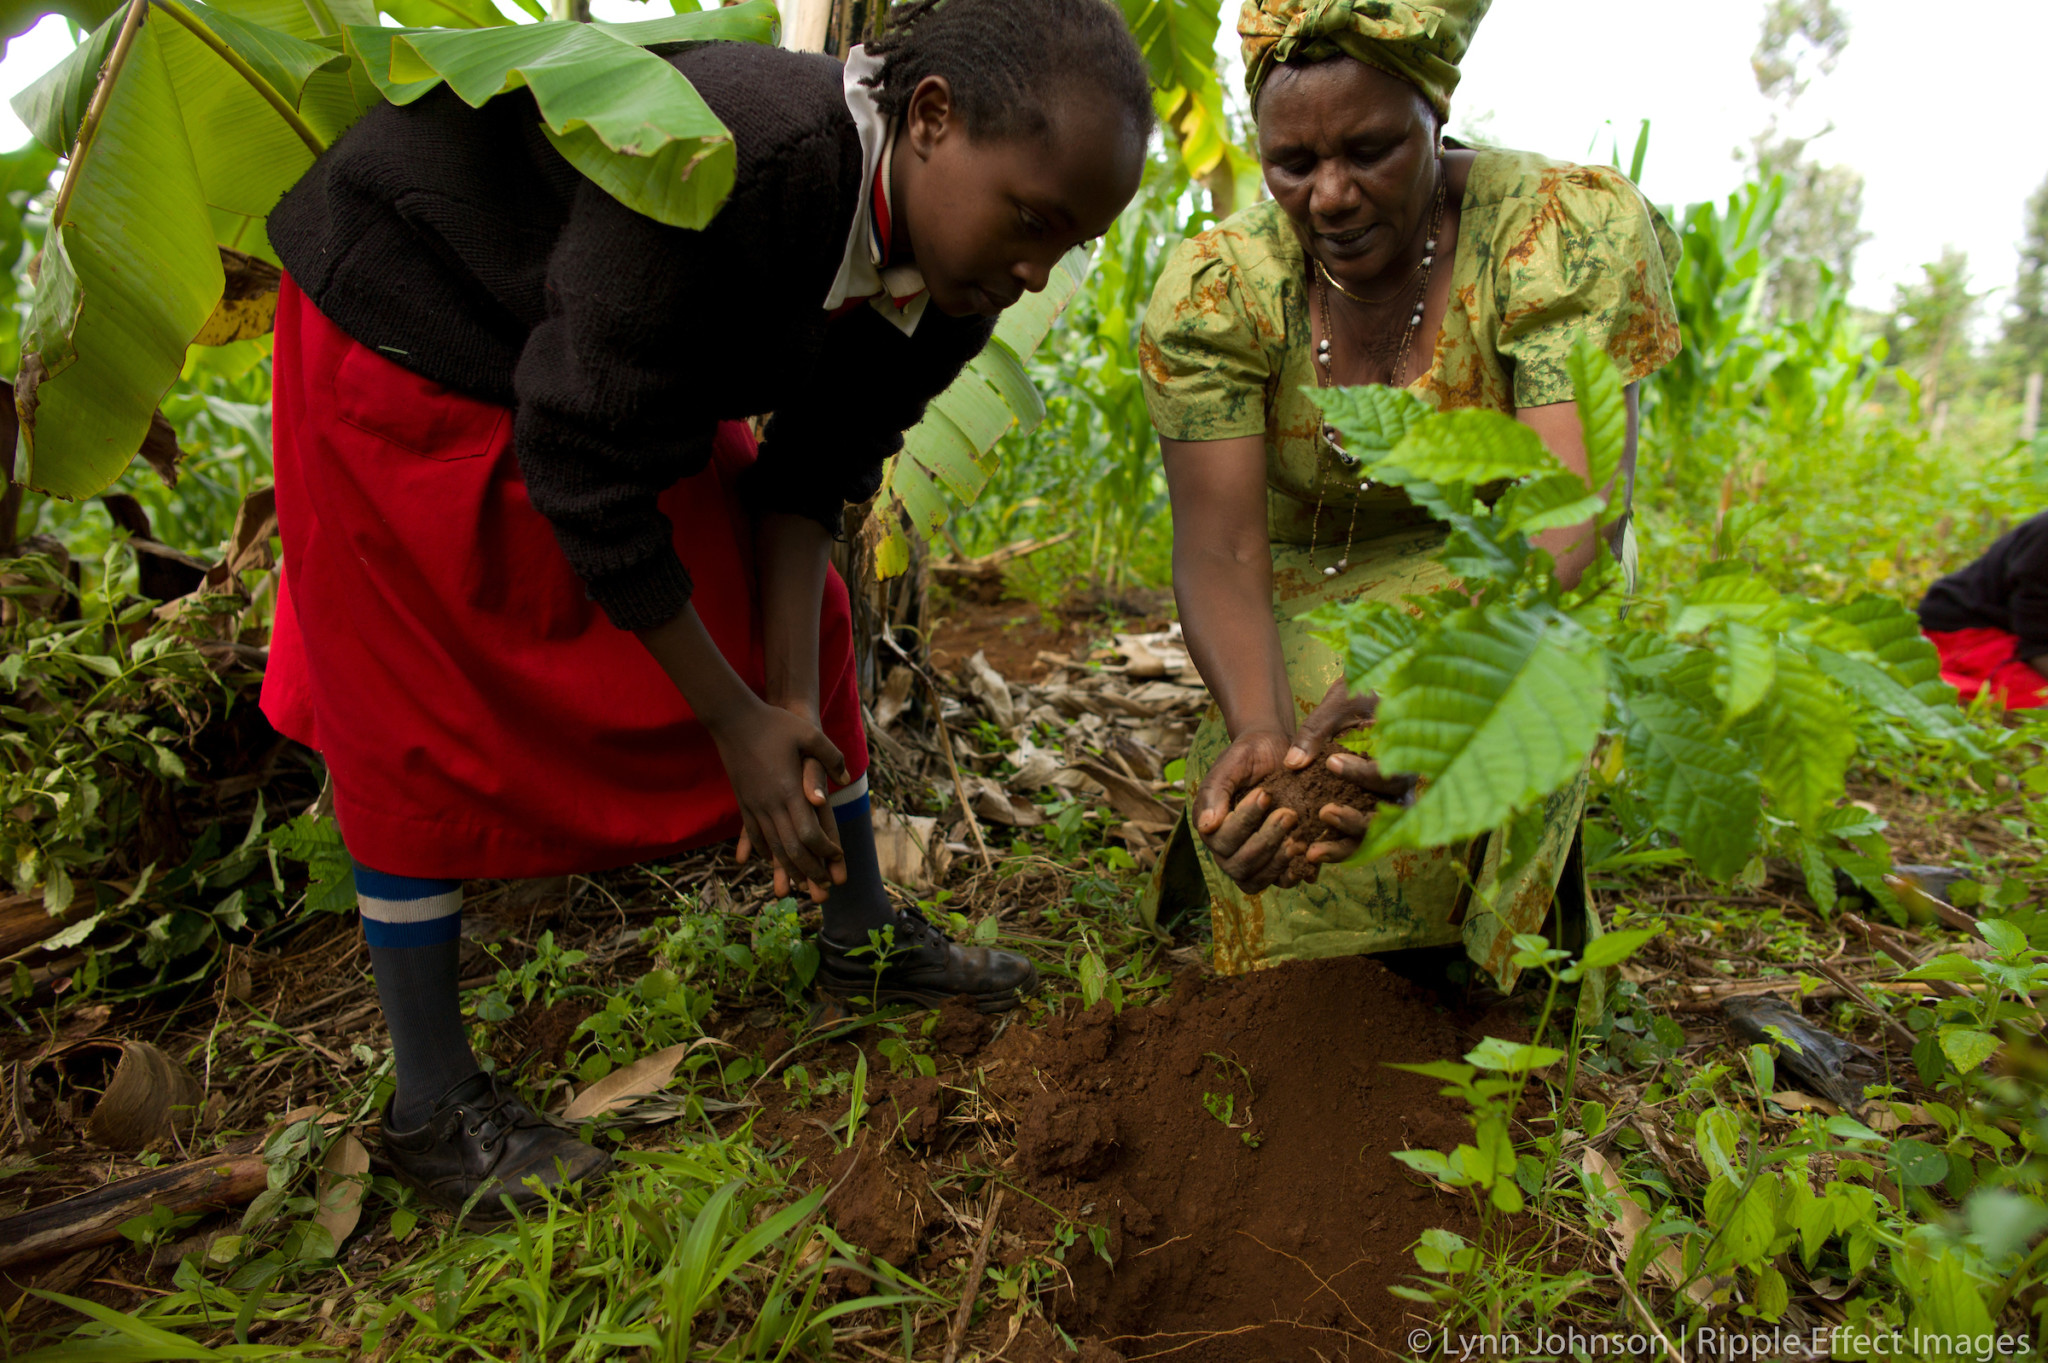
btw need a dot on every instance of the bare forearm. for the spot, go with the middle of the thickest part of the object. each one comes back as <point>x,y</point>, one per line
<point>792,554</point>
<point>691,657</point>
<point>1226,611</point>
<point>1571,550</point>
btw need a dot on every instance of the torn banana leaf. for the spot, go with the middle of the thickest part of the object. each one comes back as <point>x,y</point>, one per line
<point>616,111</point>
<point>212,111</point>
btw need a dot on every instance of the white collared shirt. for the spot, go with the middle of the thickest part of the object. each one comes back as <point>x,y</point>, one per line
<point>895,291</point>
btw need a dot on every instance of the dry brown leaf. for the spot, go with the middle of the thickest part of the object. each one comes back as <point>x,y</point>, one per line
<point>649,1074</point>
<point>149,1094</point>
<point>1792,1100</point>
<point>910,849</point>
<point>160,448</point>
<point>1632,1221</point>
<point>1885,1118</point>
<point>895,697</point>
<point>1129,798</point>
<point>343,1172</point>
<point>988,687</point>
<point>248,304</point>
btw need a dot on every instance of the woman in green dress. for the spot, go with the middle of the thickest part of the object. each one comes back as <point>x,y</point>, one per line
<point>1387,254</point>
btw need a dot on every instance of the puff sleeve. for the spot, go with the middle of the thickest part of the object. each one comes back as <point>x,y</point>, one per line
<point>1583,255</point>
<point>1205,349</point>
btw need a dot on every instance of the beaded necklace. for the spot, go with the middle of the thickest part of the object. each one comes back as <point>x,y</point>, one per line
<point>1324,283</point>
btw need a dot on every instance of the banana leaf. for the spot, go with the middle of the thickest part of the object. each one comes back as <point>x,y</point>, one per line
<point>617,112</point>
<point>949,456</point>
<point>212,111</point>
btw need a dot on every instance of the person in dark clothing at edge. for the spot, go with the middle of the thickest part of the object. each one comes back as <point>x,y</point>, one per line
<point>1989,622</point>
<point>546,609</point>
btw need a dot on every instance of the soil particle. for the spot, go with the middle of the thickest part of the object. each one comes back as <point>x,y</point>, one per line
<point>542,1036</point>
<point>1066,1137</point>
<point>879,1202</point>
<point>921,1105</point>
<point>1289,1243</point>
<point>1306,792</point>
<point>962,1029</point>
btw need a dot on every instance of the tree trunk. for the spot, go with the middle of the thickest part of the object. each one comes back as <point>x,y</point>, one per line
<point>10,491</point>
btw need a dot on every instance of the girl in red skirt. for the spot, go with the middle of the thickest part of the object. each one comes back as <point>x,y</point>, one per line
<point>1989,621</point>
<point>547,608</point>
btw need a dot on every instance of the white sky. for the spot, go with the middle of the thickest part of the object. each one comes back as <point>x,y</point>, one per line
<point>1942,116</point>
<point>1944,123</point>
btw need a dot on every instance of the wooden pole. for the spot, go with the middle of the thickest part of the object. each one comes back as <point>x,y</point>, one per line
<point>805,24</point>
<point>94,1219</point>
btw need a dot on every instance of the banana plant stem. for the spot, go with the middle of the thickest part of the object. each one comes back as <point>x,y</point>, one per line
<point>102,92</point>
<point>270,93</point>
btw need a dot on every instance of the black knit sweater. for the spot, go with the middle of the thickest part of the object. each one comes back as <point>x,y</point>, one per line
<point>458,243</point>
<point>2005,589</point>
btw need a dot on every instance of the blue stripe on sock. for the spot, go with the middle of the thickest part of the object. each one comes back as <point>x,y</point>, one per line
<point>399,889</point>
<point>852,809</point>
<point>432,932</point>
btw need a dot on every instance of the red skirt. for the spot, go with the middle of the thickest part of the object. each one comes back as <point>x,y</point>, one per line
<point>479,715</point>
<point>1975,659</point>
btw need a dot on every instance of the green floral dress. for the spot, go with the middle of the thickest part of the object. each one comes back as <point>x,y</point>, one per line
<point>1546,253</point>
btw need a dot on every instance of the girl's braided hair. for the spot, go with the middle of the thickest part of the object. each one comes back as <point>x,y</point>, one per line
<point>1005,58</point>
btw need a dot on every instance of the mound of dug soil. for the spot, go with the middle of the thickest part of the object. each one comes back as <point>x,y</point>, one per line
<point>1236,1141</point>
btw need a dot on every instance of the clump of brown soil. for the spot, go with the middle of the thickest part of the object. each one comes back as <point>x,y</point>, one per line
<point>1272,1234</point>
<point>879,1200</point>
<point>1306,792</point>
<point>961,1028</point>
<point>538,1038</point>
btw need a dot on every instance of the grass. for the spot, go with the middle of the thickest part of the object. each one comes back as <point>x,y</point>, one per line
<point>720,1239</point>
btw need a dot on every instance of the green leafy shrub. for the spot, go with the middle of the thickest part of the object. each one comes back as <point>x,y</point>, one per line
<point>1727,711</point>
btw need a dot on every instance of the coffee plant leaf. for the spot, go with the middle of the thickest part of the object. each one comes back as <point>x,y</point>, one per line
<point>1553,501</point>
<point>1603,418</point>
<point>1373,418</point>
<point>1375,639</point>
<point>1737,595</point>
<point>1745,665</point>
<point>1496,709</point>
<point>1472,446</point>
<point>1812,736</point>
<point>1699,786</point>
<point>1876,689</point>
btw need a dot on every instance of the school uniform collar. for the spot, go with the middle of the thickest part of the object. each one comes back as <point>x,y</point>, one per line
<point>865,274</point>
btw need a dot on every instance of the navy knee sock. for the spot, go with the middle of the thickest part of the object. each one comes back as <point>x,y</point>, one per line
<point>862,904</point>
<point>413,928</point>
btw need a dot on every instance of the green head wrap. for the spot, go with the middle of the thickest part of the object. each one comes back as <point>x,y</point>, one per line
<point>1420,43</point>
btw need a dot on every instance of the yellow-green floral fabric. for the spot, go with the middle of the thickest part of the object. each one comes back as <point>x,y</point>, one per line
<point>1419,43</point>
<point>1546,253</point>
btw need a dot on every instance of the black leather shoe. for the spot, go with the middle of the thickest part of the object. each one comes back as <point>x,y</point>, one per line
<point>925,967</point>
<point>482,1138</point>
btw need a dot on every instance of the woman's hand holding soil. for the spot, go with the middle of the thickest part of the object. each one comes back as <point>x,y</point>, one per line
<point>1339,713</point>
<point>1249,838</point>
<point>1289,822</point>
